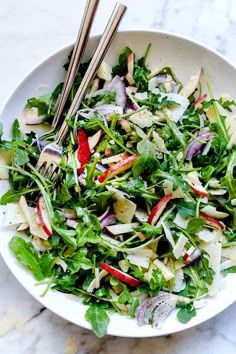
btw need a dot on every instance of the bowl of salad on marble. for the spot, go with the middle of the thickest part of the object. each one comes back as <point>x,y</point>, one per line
<point>136,236</point>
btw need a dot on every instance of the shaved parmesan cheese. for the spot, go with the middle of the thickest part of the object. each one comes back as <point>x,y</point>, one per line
<point>104,71</point>
<point>141,95</point>
<point>214,183</point>
<point>233,201</point>
<point>95,283</point>
<point>218,191</point>
<point>13,215</point>
<point>227,264</point>
<point>206,235</point>
<point>179,247</point>
<point>179,281</point>
<point>141,257</point>
<point>4,160</point>
<point>176,113</point>
<point>214,254</point>
<point>180,221</point>
<point>144,119</point>
<point>211,211</point>
<point>229,252</point>
<point>232,140</point>
<point>124,210</point>
<point>124,265</point>
<point>168,188</point>
<point>191,85</point>
<point>159,142</point>
<point>168,234</point>
<point>230,123</point>
<point>164,269</point>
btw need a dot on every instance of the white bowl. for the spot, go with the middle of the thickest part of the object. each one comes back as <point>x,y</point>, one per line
<point>185,57</point>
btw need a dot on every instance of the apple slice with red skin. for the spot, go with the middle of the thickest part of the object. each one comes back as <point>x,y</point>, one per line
<point>94,139</point>
<point>199,190</point>
<point>211,221</point>
<point>44,216</point>
<point>130,63</point>
<point>158,209</point>
<point>125,125</point>
<point>119,167</point>
<point>126,278</point>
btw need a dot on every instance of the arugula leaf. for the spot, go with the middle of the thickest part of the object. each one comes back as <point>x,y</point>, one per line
<point>229,179</point>
<point>229,270</point>
<point>20,156</point>
<point>86,234</point>
<point>186,312</point>
<point>16,133</point>
<point>102,200</point>
<point>78,260</point>
<point>68,236</point>
<point>27,255</point>
<point>98,319</point>
<point>147,161</point>
<point>10,196</point>
<point>121,68</point>
<point>195,225</point>
<point>227,104</point>
<point>186,209</point>
<point>149,230</point>
<point>38,103</point>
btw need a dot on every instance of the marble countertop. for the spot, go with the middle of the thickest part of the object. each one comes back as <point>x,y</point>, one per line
<point>30,31</point>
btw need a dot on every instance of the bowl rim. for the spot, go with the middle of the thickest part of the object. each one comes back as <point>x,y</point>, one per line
<point>50,56</point>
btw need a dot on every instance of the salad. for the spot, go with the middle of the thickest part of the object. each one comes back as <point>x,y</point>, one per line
<point>141,217</point>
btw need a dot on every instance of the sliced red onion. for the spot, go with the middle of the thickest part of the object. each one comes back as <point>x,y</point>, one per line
<point>161,78</point>
<point>108,109</point>
<point>155,309</point>
<point>108,220</point>
<point>194,256</point>
<point>194,147</point>
<point>100,167</point>
<point>175,88</point>
<point>101,217</point>
<point>71,223</point>
<point>200,100</point>
<point>81,181</point>
<point>117,85</point>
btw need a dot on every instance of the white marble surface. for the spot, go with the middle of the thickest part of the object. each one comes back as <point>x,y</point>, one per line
<point>31,30</point>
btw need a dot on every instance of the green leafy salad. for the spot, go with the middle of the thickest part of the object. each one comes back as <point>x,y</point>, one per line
<point>141,219</point>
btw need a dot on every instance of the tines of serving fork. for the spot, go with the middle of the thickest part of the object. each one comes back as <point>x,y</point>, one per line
<point>51,155</point>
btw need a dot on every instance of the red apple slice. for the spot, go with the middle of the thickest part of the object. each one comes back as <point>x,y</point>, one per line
<point>199,190</point>
<point>126,278</point>
<point>129,78</point>
<point>158,209</point>
<point>130,63</point>
<point>118,168</point>
<point>44,216</point>
<point>115,158</point>
<point>94,139</point>
<point>213,222</point>
<point>195,184</point>
<point>125,125</point>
